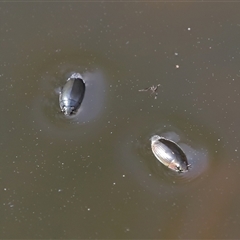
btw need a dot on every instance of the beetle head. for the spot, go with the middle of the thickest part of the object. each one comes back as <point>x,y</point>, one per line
<point>68,111</point>
<point>178,167</point>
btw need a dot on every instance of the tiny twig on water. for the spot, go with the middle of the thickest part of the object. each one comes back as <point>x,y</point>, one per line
<point>153,90</point>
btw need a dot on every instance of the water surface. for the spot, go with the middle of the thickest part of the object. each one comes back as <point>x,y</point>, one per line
<point>94,175</point>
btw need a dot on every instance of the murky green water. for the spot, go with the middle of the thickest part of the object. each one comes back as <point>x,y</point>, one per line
<point>94,176</point>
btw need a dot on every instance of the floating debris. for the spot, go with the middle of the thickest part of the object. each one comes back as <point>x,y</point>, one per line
<point>153,90</point>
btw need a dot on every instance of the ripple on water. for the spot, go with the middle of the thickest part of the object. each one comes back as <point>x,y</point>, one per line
<point>46,111</point>
<point>134,154</point>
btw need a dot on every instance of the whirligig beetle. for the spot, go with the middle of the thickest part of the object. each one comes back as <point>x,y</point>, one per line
<point>169,153</point>
<point>71,95</point>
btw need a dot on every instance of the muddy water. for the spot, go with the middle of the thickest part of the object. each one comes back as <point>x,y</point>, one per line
<point>94,175</point>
